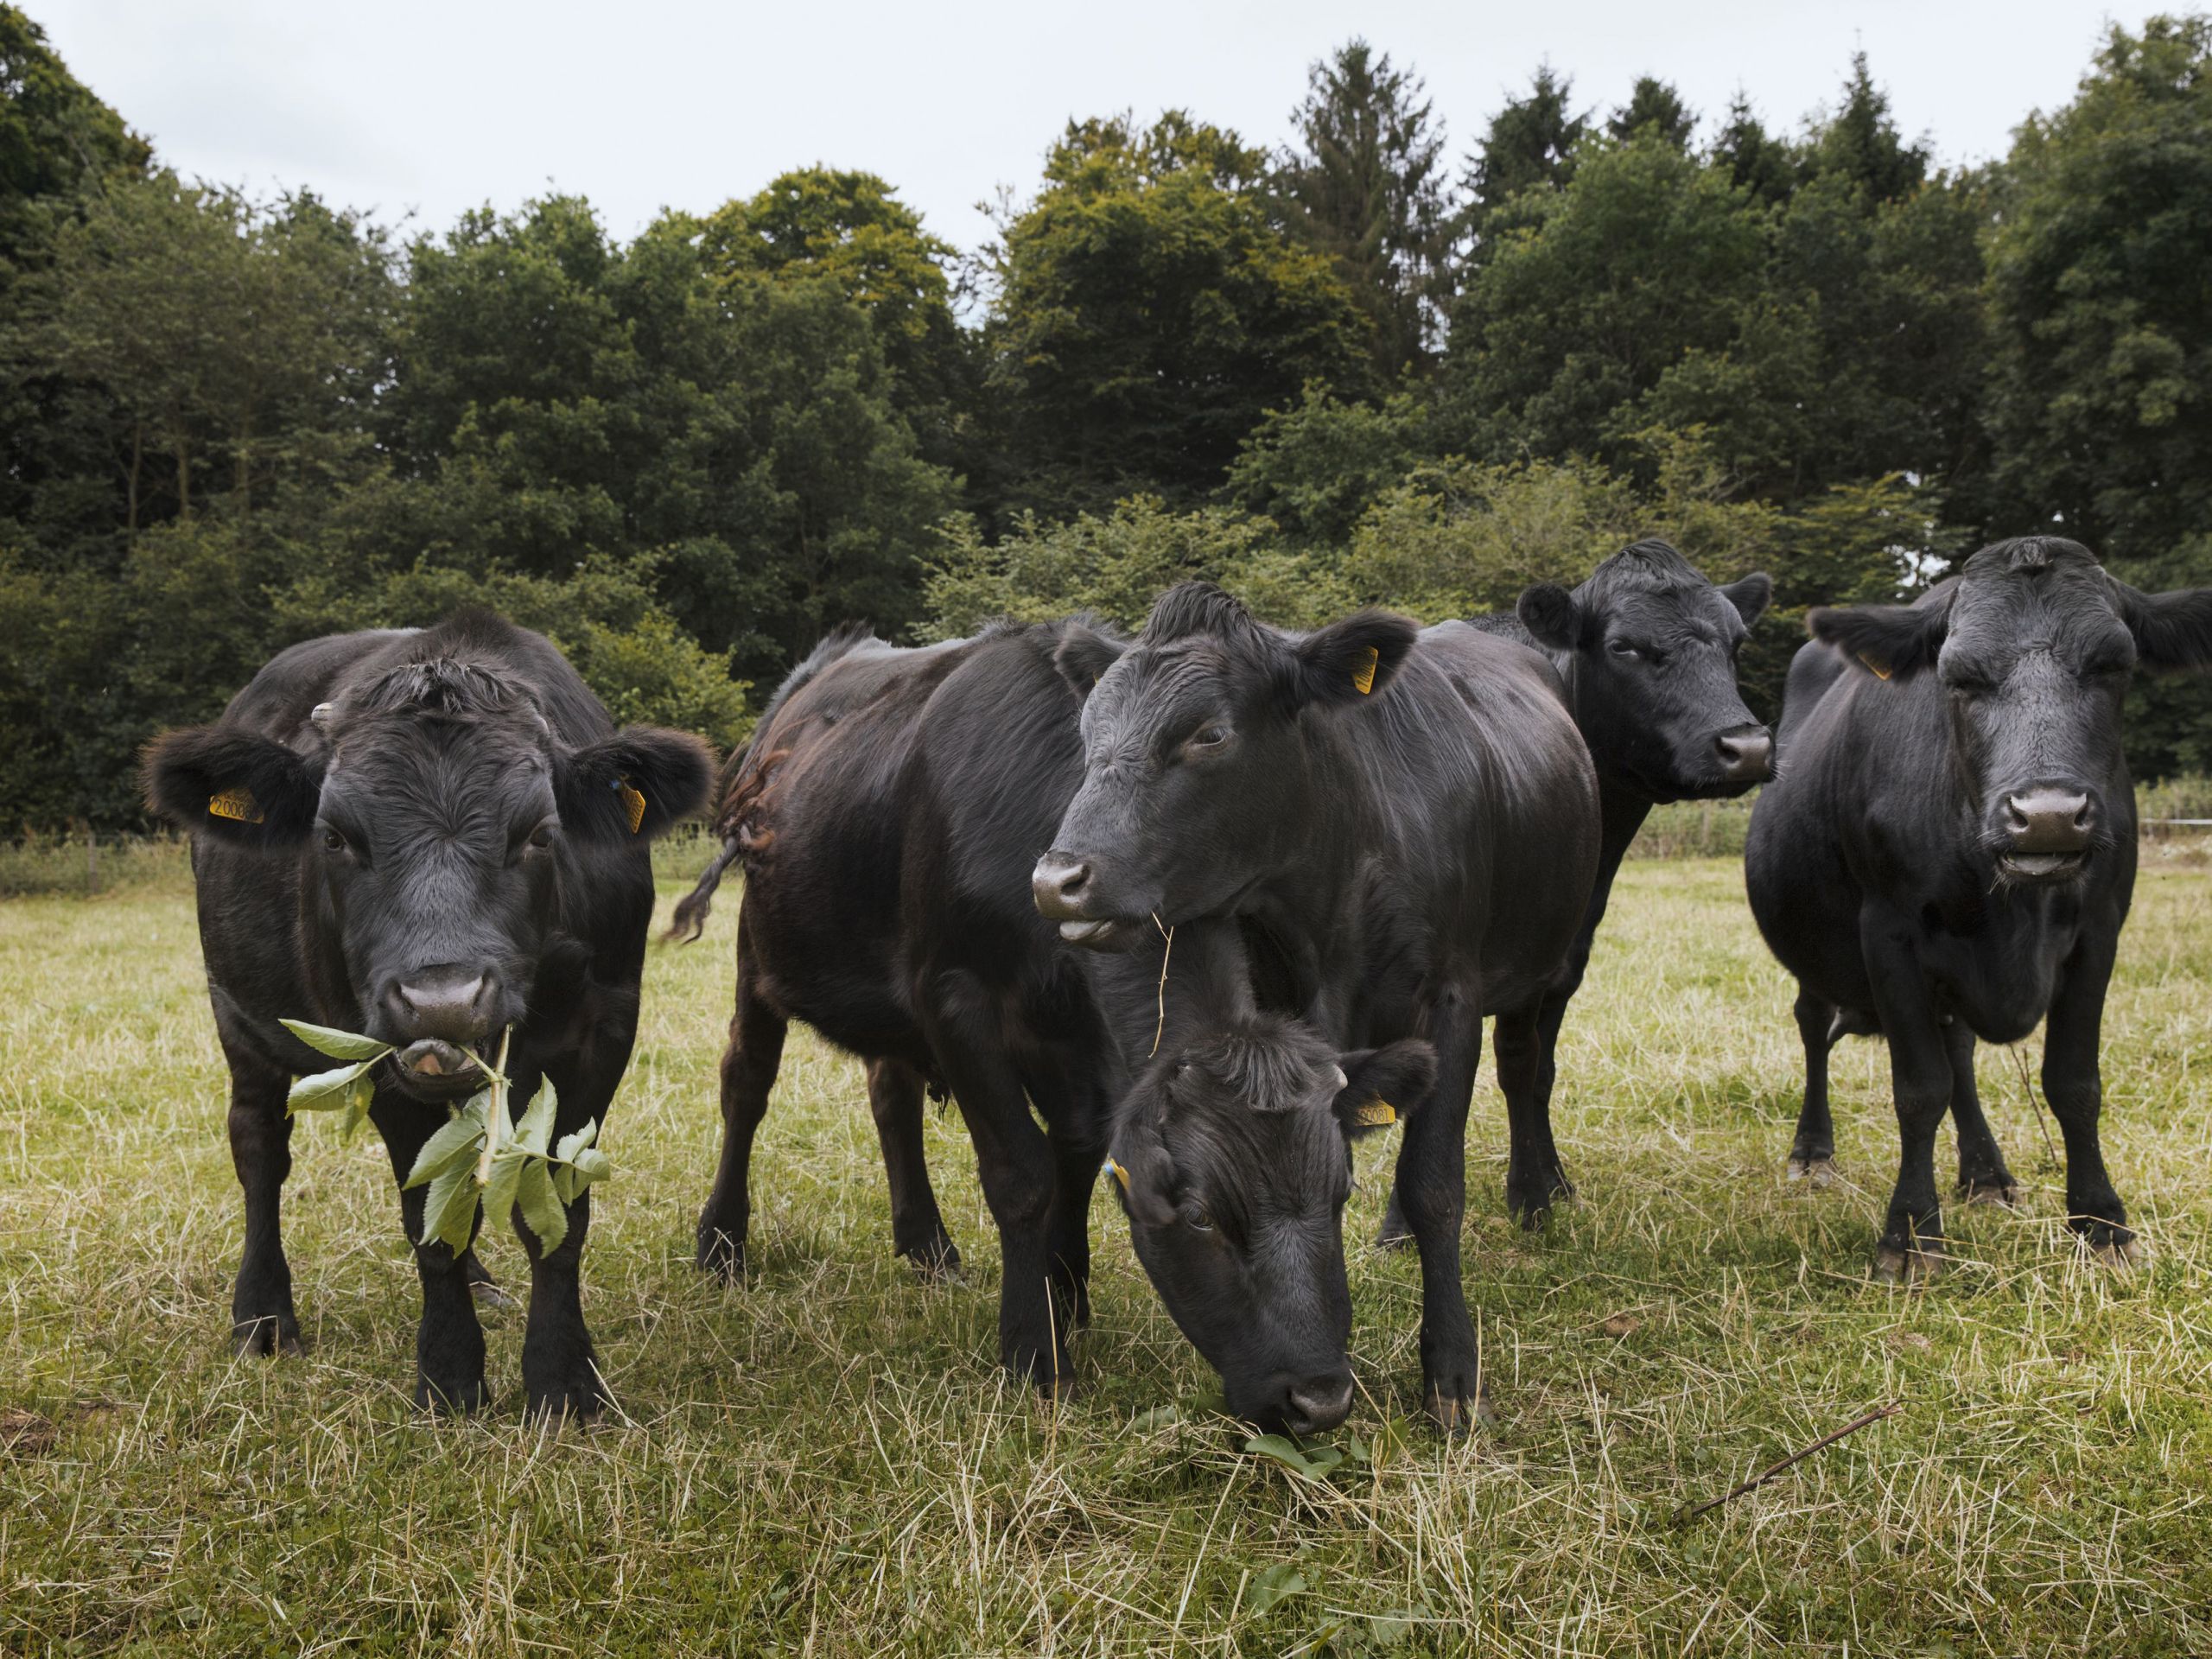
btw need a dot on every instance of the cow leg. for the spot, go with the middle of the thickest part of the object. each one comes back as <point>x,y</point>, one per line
<point>749,1067</point>
<point>1534,1178</point>
<point>1432,1183</point>
<point>261,1317</point>
<point>1812,1155</point>
<point>895,1097</point>
<point>1983,1177</point>
<point>2074,1085</point>
<point>481,1284</point>
<point>448,1342</point>
<point>1016,1164</point>
<point>1920,1080</point>
<point>1075,1174</point>
<point>558,1377</point>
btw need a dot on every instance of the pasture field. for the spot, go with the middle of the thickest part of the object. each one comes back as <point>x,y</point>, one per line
<point>826,1460</point>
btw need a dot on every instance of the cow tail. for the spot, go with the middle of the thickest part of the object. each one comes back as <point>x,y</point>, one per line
<point>691,910</point>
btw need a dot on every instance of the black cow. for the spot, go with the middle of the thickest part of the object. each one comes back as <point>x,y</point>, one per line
<point>1647,650</point>
<point>1408,817</point>
<point>888,814</point>
<point>427,837</point>
<point>1948,852</point>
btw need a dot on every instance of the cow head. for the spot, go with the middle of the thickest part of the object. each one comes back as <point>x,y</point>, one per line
<point>2033,644</point>
<point>1649,654</point>
<point>1194,779</point>
<point>437,821</point>
<point>1232,1158</point>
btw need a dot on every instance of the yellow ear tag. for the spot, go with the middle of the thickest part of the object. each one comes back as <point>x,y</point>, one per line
<point>634,803</point>
<point>1363,676</point>
<point>1119,1174</point>
<point>1874,668</point>
<point>237,804</point>
<point>1376,1114</point>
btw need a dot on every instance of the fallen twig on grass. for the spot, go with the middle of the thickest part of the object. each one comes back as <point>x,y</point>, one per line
<point>1772,1470</point>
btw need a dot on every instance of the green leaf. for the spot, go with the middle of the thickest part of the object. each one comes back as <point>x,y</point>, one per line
<point>592,1165</point>
<point>499,1190</point>
<point>1275,1584</point>
<point>339,1045</point>
<point>1159,1417</point>
<point>576,1141</point>
<point>460,1136</point>
<point>359,1098</point>
<point>1306,1466</point>
<point>326,1091</point>
<point>543,1212</point>
<point>449,1210</point>
<point>535,1132</point>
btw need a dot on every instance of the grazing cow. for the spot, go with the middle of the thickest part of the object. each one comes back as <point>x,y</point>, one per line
<point>1408,817</point>
<point>427,837</point>
<point>1647,650</point>
<point>888,814</point>
<point>1948,852</point>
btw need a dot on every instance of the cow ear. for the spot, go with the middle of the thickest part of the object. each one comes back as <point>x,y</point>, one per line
<point>1892,641</point>
<point>1750,596</point>
<point>1083,655</point>
<point>1351,659</point>
<point>1138,1164</point>
<point>237,786</point>
<point>1382,1085</point>
<point>2172,630</point>
<point>1550,612</point>
<point>637,782</point>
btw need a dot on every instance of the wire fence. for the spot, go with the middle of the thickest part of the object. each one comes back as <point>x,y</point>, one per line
<point>2175,817</point>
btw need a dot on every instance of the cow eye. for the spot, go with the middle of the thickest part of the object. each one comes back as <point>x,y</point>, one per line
<point>332,840</point>
<point>542,836</point>
<point>1197,1218</point>
<point>1622,648</point>
<point>1209,736</point>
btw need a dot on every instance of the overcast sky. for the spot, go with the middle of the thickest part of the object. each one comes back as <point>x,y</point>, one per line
<point>407,106</point>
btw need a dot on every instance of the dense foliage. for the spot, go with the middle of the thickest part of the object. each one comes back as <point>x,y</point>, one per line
<point>1366,366</point>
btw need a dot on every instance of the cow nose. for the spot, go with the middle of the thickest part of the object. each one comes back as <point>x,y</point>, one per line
<point>1746,757</point>
<point>1059,885</point>
<point>2050,821</point>
<point>1318,1403</point>
<point>451,1004</point>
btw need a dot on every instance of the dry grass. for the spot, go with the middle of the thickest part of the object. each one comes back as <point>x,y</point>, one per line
<point>825,1460</point>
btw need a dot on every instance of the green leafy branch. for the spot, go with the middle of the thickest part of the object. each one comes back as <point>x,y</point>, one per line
<point>469,1160</point>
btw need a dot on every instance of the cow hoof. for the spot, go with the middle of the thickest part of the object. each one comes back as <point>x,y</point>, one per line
<point>272,1333</point>
<point>1393,1236</point>
<point>454,1397</point>
<point>1817,1173</point>
<point>1895,1266</point>
<point>1456,1412</point>
<point>1533,1209</point>
<point>581,1403</point>
<point>2121,1254</point>
<point>2000,1190</point>
<point>934,1261</point>
<point>721,1255</point>
<point>489,1294</point>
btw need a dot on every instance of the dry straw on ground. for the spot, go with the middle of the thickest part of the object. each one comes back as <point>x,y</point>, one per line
<point>824,1460</point>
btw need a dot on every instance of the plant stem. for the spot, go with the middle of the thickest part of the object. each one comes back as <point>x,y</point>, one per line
<point>497,1115</point>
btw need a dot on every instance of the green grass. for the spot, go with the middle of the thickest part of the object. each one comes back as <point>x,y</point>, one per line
<point>826,1459</point>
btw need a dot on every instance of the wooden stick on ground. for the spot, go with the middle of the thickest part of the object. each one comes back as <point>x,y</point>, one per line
<point>1772,1470</point>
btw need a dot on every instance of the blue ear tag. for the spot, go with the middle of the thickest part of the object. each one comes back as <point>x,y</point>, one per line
<point>1109,1168</point>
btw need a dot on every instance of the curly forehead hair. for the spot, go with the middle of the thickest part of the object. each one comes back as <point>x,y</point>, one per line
<point>444,688</point>
<point>1198,607</point>
<point>1268,1062</point>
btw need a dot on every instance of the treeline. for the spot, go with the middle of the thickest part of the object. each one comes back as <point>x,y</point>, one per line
<point>1365,367</point>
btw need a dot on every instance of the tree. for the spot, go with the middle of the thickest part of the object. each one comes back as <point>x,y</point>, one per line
<point>1592,293</point>
<point>1149,311</point>
<point>57,140</point>
<point>2100,314</point>
<point>1365,188</point>
<point>1763,167</point>
<point>1528,146</point>
<point>1655,104</point>
<point>1860,142</point>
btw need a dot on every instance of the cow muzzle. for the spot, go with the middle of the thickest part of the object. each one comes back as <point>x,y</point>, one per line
<point>436,1071</point>
<point>1064,889</point>
<point>1745,757</point>
<point>2046,833</point>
